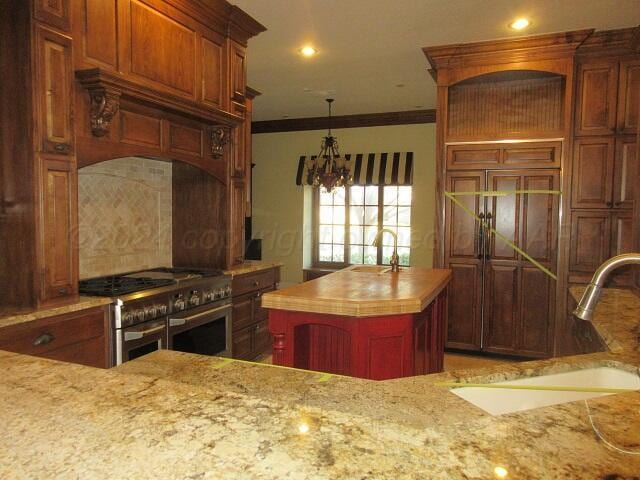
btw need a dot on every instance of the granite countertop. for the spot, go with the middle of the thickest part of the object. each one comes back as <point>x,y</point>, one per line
<point>363,290</point>
<point>616,318</point>
<point>174,415</point>
<point>8,318</point>
<point>250,266</point>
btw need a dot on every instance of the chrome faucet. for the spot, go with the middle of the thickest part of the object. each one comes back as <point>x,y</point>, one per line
<point>395,260</point>
<point>590,298</point>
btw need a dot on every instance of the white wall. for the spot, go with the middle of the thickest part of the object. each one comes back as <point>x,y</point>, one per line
<point>279,205</point>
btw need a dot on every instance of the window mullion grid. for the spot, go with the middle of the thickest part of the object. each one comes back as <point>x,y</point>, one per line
<point>347,226</point>
<point>380,222</point>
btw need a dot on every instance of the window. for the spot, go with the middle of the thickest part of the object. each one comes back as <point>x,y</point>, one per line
<point>348,219</point>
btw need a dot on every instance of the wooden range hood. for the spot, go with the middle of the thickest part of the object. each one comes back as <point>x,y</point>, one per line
<point>94,81</point>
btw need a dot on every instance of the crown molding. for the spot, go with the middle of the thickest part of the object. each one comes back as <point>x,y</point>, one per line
<point>345,121</point>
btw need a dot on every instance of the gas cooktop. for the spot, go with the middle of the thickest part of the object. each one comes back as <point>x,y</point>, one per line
<point>115,285</point>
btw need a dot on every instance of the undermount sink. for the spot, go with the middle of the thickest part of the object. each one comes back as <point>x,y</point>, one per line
<point>371,269</point>
<point>499,401</point>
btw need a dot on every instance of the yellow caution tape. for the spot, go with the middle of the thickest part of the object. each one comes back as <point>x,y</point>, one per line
<point>323,376</point>
<point>501,236</point>
<point>504,193</point>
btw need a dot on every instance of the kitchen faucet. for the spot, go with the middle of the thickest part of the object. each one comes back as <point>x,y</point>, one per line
<point>395,260</point>
<point>590,298</point>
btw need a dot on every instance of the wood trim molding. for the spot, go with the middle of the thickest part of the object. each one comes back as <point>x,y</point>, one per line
<point>103,85</point>
<point>345,121</point>
<point>251,93</point>
<point>621,41</point>
<point>538,47</point>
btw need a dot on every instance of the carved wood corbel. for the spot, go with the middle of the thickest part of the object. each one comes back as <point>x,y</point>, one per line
<point>105,103</point>
<point>220,136</point>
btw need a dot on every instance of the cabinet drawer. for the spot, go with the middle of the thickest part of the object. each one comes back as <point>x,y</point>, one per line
<point>46,335</point>
<point>252,282</point>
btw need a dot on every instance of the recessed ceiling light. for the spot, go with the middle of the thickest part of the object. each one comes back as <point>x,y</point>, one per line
<point>520,23</point>
<point>501,472</point>
<point>308,51</point>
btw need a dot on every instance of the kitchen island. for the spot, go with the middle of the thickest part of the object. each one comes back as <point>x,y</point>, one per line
<point>363,321</point>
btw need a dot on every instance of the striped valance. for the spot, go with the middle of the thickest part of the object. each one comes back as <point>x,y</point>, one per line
<point>371,168</point>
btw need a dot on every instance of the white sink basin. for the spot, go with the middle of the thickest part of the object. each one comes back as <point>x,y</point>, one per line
<point>498,401</point>
<point>371,269</point>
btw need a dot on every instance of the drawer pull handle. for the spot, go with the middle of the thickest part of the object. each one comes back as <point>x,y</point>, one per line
<point>62,148</point>
<point>63,291</point>
<point>256,283</point>
<point>43,339</point>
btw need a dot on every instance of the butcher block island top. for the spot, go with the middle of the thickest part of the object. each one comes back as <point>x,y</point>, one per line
<point>362,291</point>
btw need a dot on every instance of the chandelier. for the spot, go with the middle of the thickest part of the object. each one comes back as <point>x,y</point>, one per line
<point>328,169</point>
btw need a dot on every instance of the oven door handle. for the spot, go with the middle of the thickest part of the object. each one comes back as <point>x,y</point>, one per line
<point>138,334</point>
<point>176,322</point>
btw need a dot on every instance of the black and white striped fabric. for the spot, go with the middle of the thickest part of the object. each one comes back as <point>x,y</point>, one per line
<point>371,168</point>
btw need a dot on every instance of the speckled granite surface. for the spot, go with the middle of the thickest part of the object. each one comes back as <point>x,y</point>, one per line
<point>175,416</point>
<point>249,266</point>
<point>83,303</point>
<point>616,318</point>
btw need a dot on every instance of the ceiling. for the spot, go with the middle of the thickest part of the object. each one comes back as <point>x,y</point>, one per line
<point>369,51</point>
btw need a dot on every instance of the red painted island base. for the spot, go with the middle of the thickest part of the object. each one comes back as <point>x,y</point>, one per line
<point>377,348</point>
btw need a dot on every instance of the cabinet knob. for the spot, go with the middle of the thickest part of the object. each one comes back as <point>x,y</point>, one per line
<point>609,204</point>
<point>63,291</point>
<point>62,148</point>
<point>256,283</point>
<point>43,339</point>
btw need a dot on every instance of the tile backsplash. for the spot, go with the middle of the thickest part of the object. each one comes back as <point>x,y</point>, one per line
<point>124,216</point>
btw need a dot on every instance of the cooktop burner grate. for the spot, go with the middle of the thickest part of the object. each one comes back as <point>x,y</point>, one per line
<point>115,285</point>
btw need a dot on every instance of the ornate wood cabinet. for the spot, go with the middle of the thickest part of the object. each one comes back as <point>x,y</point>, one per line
<point>89,81</point>
<point>503,130</point>
<point>594,119</point>
<point>605,163</point>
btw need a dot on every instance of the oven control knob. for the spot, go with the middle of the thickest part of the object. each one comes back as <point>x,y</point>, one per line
<point>194,300</point>
<point>150,312</point>
<point>178,305</point>
<point>139,315</point>
<point>127,317</point>
<point>220,293</point>
<point>209,296</point>
<point>227,291</point>
<point>162,309</point>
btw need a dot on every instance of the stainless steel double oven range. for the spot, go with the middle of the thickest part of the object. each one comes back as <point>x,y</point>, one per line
<point>182,309</point>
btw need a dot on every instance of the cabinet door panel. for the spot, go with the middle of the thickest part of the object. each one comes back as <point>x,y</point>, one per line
<point>55,96</point>
<point>242,343</point>
<point>58,228</point>
<point>590,240</point>
<point>536,312</point>
<point>540,217</point>
<point>592,179</point>
<point>53,12</point>
<point>262,338</point>
<point>213,71</point>
<point>505,214</point>
<point>239,151</point>
<point>500,308</point>
<point>99,32</point>
<point>237,64</point>
<point>629,96</point>
<point>464,314</point>
<point>625,172</point>
<point>622,242</point>
<point>236,222</point>
<point>596,98</point>
<point>462,229</point>
<point>162,50</point>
